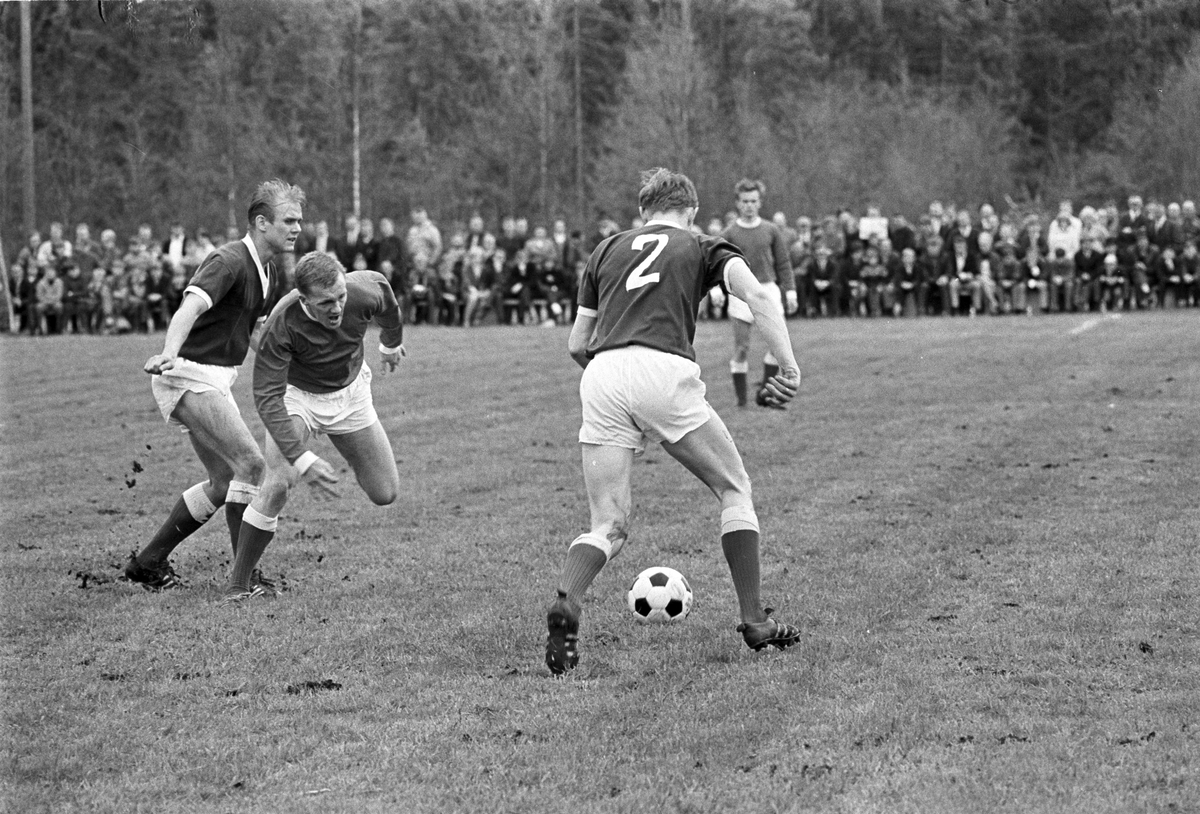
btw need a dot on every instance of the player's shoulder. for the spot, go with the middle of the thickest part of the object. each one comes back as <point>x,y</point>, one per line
<point>365,279</point>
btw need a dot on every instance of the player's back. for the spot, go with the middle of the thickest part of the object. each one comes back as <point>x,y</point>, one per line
<point>644,287</point>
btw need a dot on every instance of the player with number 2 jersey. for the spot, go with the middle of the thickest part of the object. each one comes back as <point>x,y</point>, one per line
<point>633,335</point>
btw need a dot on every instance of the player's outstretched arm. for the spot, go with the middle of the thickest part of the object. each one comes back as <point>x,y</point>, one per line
<point>743,285</point>
<point>190,309</point>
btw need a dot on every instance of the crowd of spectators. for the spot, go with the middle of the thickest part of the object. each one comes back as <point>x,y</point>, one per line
<point>949,262</point>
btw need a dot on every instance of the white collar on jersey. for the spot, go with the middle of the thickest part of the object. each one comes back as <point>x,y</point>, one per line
<point>657,222</point>
<point>262,274</point>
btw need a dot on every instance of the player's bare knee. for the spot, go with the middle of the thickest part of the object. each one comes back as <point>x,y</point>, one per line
<point>251,467</point>
<point>274,492</point>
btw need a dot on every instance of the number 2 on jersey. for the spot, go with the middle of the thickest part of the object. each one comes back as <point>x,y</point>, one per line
<point>638,277</point>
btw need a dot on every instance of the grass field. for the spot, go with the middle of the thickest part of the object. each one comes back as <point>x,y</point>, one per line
<point>986,528</point>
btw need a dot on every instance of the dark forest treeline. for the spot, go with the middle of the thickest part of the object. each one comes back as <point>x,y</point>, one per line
<point>167,110</point>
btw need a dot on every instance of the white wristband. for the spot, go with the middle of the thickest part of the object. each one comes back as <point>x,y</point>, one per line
<point>305,461</point>
<point>389,351</point>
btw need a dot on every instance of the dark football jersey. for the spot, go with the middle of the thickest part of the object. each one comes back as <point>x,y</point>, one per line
<point>229,280</point>
<point>765,250</point>
<point>644,287</point>
<point>297,350</point>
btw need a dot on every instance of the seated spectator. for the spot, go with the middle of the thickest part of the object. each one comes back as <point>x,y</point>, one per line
<point>1111,285</point>
<point>873,276</point>
<point>553,295</point>
<point>1088,263</point>
<point>137,306</point>
<point>908,285</point>
<point>99,302</point>
<point>1139,262</point>
<point>50,292</point>
<point>1061,282</point>
<point>958,278</point>
<point>1189,264</point>
<point>1010,281</point>
<point>988,260</point>
<point>1036,276</point>
<point>823,277</point>
<point>517,290</point>
<point>478,282</point>
<point>854,292</point>
<point>160,295</point>
<point>423,293</point>
<point>1168,274</point>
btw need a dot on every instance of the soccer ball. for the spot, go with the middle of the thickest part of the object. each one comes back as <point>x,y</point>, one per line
<point>660,594</point>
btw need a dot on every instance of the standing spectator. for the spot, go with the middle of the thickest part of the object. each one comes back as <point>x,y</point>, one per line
<point>766,253</point>
<point>1031,236</point>
<point>393,260</point>
<point>1130,222</point>
<point>1190,222</point>
<point>108,251</point>
<point>25,299</point>
<point>541,248</point>
<point>476,232</point>
<point>55,249</point>
<point>1088,264</point>
<point>989,222</point>
<point>1091,229</point>
<point>902,234</point>
<point>781,223</point>
<point>1065,232</point>
<point>137,302</point>
<point>74,302</point>
<point>509,241</point>
<point>1156,222</point>
<point>346,246</point>
<point>570,260</point>
<point>175,249</point>
<point>27,258</point>
<point>307,241</point>
<point>424,238</point>
<point>50,292</point>
<point>85,252</point>
<point>367,246</point>
<point>323,242</point>
<point>1170,233</point>
<point>966,229</point>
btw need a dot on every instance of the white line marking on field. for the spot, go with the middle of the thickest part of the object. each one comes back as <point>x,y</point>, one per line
<point>1088,324</point>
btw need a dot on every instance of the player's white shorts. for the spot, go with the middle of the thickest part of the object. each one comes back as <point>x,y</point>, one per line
<point>190,377</point>
<point>740,311</point>
<point>338,413</point>
<point>636,393</point>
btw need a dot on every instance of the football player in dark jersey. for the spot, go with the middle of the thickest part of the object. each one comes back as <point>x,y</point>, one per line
<point>633,334</point>
<point>310,378</point>
<point>207,339</point>
<point>766,250</point>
